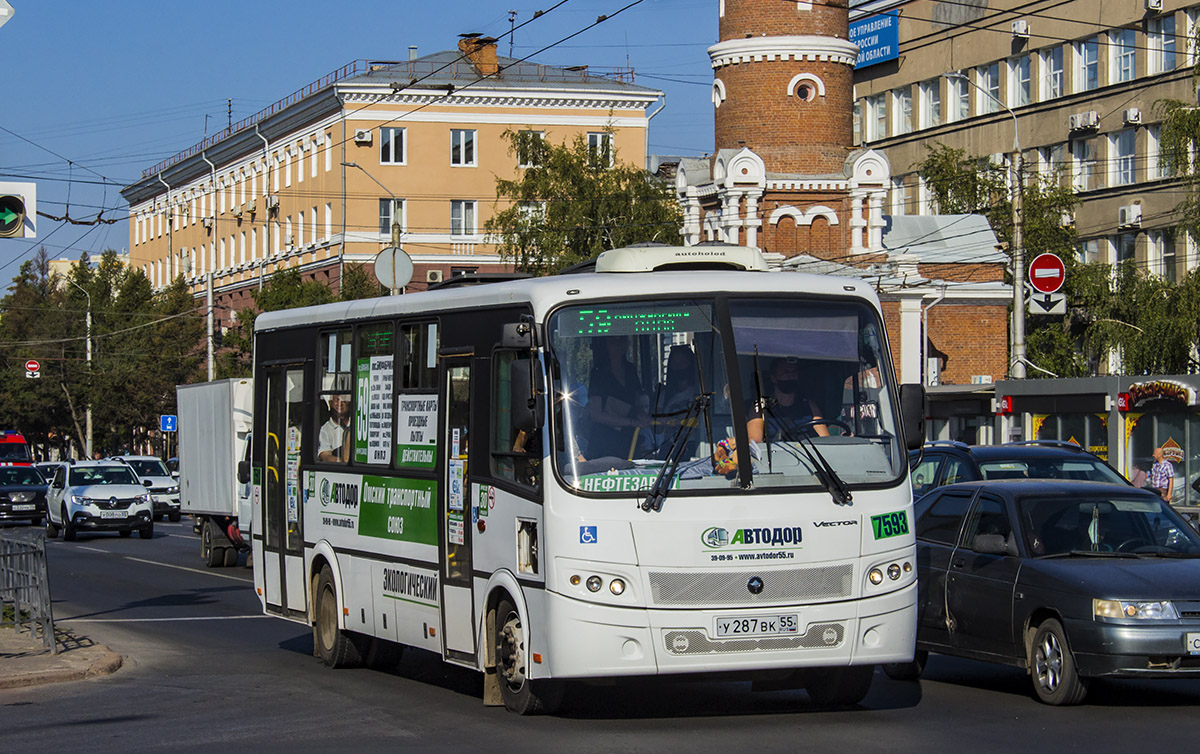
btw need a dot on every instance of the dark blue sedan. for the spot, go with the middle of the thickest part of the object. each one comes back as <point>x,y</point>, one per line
<point>22,494</point>
<point>1069,580</point>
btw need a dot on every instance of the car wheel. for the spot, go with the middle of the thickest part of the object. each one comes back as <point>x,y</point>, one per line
<point>907,671</point>
<point>335,647</point>
<point>125,532</point>
<point>230,557</point>
<point>68,527</point>
<point>840,687</point>
<point>1055,677</point>
<point>147,531</point>
<point>521,694</point>
<point>174,516</point>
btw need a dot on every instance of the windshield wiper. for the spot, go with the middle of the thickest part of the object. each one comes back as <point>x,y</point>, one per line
<point>837,489</point>
<point>666,475</point>
<point>1090,553</point>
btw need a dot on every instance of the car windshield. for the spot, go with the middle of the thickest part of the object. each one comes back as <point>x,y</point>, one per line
<point>150,467</point>
<point>15,475</point>
<point>1104,523</point>
<point>85,475</point>
<point>14,451</point>
<point>627,374</point>
<point>1085,469</point>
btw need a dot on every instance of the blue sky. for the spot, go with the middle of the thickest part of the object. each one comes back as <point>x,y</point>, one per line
<point>105,90</point>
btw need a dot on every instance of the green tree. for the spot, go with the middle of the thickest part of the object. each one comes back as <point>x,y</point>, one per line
<point>574,202</point>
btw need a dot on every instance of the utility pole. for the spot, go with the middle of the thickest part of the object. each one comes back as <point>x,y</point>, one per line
<point>512,28</point>
<point>88,413</point>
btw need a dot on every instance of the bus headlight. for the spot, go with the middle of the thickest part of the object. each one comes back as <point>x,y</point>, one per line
<point>594,583</point>
<point>617,587</point>
<point>875,576</point>
<point>894,571</point>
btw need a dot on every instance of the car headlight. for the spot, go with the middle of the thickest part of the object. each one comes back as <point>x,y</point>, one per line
<point>79,500</point>
<point>1163,610</point>
<point>145,498</point>
<point>20,497</point>
<point>173,490</point>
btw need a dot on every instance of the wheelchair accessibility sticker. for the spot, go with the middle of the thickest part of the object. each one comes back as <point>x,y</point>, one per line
<point>587,535</point>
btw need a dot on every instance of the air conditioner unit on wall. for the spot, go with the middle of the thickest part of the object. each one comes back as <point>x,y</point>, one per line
<point>1084,121</point>
<point>272,203</point>
<point>433,276</point>
<point>1129,216</point>
<point>287,241</point>
<point>1132,116</point>
<point>362,136</point>
<point>1154,5</point>
<point>207,222</point>
<point>1020,28</point>
<point>250,206</point>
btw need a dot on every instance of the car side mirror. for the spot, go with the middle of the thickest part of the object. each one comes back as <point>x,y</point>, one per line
<point>174,474</point>
<point>912,415</point>
<point>991,544</point>
<point>147,483</point>
<point>243,473</point>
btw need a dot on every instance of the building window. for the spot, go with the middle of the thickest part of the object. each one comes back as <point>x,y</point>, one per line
<point>877,117</point>
<point>1124,247</point>
<point>389,209</point>
<point>462,218</point>
<point>600,148</point>
<point>1087,64</point>
<point>988,79</point>
<point>904,121</point>
<point>1154,168</point>
<point>530,148</point>
<point>1161,41</point>
<point>391,146</point>
<point>1121,149</point>
<point>1083,164</point>
<point>1161,254</point>
<point>1052,73</point>
<point>462,147</point>
<point>899,197</point>
<point>1123,56</point>
<point>1019,83</point>
<point>1051,160</point>
<point>858,122</point>
<point>931,103</point>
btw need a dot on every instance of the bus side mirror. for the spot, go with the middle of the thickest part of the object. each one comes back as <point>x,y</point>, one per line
<point>524,397</point>
<point>517,336</point>
<point>243,473</point>
<point>912,414</point>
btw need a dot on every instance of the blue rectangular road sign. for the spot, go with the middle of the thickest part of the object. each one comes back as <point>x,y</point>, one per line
<point>168,423</point>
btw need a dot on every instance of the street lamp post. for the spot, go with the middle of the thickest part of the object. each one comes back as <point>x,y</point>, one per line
<point>88,414</point>
<point>395,219</point>
<point>1018,359</point>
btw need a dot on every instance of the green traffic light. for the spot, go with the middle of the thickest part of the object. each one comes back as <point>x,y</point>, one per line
<point>12,216</point>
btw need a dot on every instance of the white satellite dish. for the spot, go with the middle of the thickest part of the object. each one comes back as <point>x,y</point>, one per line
<point>393,268</point>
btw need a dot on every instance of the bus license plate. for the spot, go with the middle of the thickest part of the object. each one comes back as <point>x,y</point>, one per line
<point>1192,642</point>
<point>112,514</point>
<point>763,625</point>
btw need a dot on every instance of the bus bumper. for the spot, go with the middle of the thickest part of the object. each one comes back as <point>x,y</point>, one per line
<point>587,641</point>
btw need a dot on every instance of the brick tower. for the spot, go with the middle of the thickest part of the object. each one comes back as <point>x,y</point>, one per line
<point>785,175</point>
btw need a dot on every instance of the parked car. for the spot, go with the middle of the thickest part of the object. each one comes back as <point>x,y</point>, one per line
<point>47,468</point>
<point>1069,580</point>
<point>98,496</point>
<point>941,462</point>
<point>163,484</point>
<point>22,494</point>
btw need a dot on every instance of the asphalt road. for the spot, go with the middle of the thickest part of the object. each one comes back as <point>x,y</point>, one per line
<point>206,672</point>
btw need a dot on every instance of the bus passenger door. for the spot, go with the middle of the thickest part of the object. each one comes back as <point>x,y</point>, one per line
<point>283,506</point>
<point>458,619</point>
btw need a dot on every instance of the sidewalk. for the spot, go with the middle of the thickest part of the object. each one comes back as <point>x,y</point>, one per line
<point>24,660</point>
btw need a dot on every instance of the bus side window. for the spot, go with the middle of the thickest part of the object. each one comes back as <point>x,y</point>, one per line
<point>335,399</point>
<point>516,453</point>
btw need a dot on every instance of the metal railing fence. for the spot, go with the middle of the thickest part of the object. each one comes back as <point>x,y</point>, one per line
<point>25,585</point>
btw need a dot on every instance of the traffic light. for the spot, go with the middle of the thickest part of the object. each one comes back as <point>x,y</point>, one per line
<point>12,216</point>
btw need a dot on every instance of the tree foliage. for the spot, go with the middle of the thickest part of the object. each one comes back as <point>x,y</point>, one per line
<point>1151,322</point>
<point>574,202</point>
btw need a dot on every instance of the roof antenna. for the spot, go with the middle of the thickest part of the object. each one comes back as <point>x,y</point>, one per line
<point>512,20</point>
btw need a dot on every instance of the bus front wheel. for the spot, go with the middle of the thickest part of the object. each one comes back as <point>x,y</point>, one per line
<point>520,693</point>
<point>840,687</point>
<point>334,646</point>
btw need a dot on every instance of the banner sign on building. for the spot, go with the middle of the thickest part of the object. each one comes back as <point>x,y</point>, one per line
<point>877,37</point>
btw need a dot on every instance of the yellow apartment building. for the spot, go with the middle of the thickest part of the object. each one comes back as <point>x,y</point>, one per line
<point>316,180</point>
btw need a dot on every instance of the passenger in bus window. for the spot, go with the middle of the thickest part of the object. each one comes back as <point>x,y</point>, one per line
<point>333,440</point>
<point>786,405</point>
<point>613,399</point>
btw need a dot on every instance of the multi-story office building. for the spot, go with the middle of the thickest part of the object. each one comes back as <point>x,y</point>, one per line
<point>1078,80</point>
<point>316,180</point>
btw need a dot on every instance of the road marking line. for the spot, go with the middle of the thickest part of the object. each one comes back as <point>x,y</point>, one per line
<point>92,549</point>
<point>192,570</point>
<point>160,620</point>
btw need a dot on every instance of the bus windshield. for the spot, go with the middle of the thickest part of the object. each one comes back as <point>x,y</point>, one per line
<point>812,386</point>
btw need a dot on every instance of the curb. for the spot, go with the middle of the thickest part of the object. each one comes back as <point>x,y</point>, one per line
<point>107,663</point>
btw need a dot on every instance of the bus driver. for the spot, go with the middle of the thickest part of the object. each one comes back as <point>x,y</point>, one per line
<point>787,407</point>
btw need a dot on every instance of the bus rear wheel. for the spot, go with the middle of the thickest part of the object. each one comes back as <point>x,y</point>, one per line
<point>334,646</point>
<point>520,693</point>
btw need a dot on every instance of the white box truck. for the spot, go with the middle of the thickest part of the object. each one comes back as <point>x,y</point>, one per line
<point>214,440</point>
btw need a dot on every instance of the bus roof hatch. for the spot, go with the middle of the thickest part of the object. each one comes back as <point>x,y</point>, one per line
<point>705,256</point>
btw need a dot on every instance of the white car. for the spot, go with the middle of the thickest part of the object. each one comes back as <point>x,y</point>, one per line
<point>98,496</point>
<point>163,484</point>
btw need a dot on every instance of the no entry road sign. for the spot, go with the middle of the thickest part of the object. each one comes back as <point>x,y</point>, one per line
<point>1047,273</point>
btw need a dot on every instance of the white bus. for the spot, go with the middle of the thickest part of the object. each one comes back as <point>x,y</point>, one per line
<point>678,463</point>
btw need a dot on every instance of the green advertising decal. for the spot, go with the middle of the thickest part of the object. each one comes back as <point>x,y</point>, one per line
<point>361,403</point>
<point>401,509</point>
